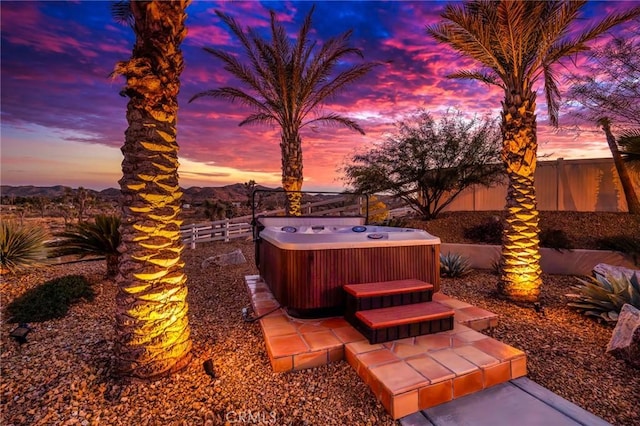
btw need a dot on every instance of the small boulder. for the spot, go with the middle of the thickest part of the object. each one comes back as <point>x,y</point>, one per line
<point>233,258</point>
<point>606,270</point>
<point>625,341</point>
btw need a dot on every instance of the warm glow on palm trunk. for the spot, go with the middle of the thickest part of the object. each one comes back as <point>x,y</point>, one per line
<point>520,278</point>
<point>152,328</point>
<point>291,148</point>
<point>152,324</point>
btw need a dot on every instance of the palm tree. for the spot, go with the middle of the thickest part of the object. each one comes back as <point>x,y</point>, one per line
<point>152,328</point>
<point>609,93</point>
<point>286,83</point>
<point>516,44</point>
<point>625,178</point>
<point>100,237</point>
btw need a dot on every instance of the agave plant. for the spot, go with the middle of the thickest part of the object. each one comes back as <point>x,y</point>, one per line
<point>453,265</point>
<point>21,246</point>
<point>100,238</point>
<point>603,296</point>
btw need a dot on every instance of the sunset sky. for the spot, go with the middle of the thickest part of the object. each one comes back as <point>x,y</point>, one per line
<point>63,120</point>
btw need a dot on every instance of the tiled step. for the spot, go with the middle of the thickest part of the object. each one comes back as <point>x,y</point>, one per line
<point>386,288</point>
<point>416,373</point>
<point>361,297</point>
<point>399,322</point>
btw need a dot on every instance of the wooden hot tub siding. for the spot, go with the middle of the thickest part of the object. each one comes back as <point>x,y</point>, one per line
<point>310,281</point>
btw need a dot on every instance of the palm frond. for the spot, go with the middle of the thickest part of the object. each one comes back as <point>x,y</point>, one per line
<point>237,30</point>
<point>483,76</point>
<point>566,47</point>
<point>241,71</point>
<point>121,12</point>
<point>100,237</point>
<point>552,95</point>
<point>337,119</point>
<point>261,118</point>
<point>232,94</point>
<point>332,87</point>
<point>606,24</point>
<point>510,16</point>
<point>467,31</point>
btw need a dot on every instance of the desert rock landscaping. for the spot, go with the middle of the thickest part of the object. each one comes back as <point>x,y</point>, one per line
<point>62,375</point>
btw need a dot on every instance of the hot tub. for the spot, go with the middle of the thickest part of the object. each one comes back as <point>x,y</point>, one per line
<point>306,263</point>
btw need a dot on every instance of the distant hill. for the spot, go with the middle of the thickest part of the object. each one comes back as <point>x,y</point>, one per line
<point>194,194</point>
<point>33,191</point>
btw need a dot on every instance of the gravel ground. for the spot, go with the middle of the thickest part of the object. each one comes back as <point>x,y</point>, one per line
<point>63,374</point>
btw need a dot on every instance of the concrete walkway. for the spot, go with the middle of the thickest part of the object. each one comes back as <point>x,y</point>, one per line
<point>520,402</point>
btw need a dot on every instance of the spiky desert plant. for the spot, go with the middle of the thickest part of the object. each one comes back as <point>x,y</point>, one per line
<point>100,237</point>
<point>21,246</point>
<point>454,265</point>
<point>603,296</point>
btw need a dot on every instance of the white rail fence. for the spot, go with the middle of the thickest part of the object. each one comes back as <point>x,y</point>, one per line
<point>220,230</point>
<point>240,227</point>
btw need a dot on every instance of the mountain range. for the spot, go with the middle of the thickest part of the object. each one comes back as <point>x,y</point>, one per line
<point>194,194</point>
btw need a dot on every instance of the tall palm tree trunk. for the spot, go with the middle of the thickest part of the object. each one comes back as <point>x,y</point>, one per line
<point>520,273</point>
<point>625,180</point>
<point>152,330</point>
<point>291,148</point>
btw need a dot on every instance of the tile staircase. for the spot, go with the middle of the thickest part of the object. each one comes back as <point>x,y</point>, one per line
<point>392,310</point>
<point>406,375</point>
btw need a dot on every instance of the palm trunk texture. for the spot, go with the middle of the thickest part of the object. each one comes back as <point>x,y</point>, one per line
<point>520,277</point>
<point>291,147</point>
<point>152,329</point>
<point>625,180</point>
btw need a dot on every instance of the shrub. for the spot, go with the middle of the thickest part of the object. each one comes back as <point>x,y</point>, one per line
<point>603,297</point>
<point>378,211</point>
<point>556,239</point>
<point>49,300</point>
<point>100,238</point>
<point>453,265</point>
<point>21,246</point>
<point>489,232</point>
<point>623,243</point>
<point>396,222</point>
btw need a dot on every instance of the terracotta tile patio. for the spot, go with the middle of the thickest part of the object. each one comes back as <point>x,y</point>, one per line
<point>406,375</point>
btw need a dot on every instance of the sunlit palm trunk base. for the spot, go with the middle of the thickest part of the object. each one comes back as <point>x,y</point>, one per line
<point>154,337</point>
<point>520,278</point>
